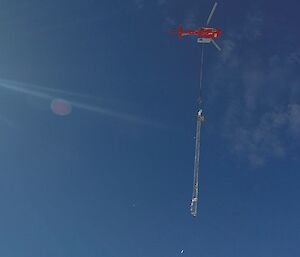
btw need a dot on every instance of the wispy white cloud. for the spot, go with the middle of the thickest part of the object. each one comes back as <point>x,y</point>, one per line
<point>294,120</point>
<point>161,2</point>
<point>140,3</point>
<point>294,57</point>
<point>262,110</point>
<point>253,25</point>
<point>267,138</point>
<point>262,140</point>
<point>228,46</point>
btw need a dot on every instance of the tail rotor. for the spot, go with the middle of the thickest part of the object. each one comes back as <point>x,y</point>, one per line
<point>178,31</point>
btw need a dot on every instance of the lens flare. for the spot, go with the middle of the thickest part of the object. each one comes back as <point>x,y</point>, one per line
<point>61,107</point>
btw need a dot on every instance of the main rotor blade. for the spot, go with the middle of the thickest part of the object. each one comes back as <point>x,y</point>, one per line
<point>215,44</point>
<point>211,13</point>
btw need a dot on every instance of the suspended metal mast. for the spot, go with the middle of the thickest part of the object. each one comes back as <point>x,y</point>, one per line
<point>200,120</point>
<point>194,203</point>
<point>204,35</point>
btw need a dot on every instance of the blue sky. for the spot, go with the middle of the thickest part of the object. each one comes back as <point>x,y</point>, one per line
<point>114,177</point>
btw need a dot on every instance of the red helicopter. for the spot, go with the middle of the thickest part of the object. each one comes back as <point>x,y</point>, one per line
<point>205,34</point>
